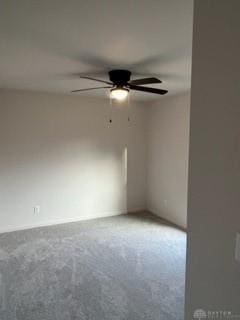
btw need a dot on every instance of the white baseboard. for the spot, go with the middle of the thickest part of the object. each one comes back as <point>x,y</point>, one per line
<point>69,220</point>
<point>154,212</point>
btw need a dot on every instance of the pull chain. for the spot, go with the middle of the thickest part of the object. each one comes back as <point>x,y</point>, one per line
<point>128,108</point>
<point>111,110</point>
<point>111,107</point>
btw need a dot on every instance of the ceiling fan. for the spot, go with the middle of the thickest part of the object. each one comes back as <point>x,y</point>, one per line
<point>120,84</point>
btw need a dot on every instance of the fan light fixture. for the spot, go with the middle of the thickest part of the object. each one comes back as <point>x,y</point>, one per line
<point>119,93</point>
<point>120,84</point>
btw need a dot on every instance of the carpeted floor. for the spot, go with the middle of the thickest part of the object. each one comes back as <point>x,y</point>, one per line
<point>129,267</point>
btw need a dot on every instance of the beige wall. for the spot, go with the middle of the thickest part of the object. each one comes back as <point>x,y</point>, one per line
<point>213,275</point>
<point>167,163</point>
<point>60,153</point>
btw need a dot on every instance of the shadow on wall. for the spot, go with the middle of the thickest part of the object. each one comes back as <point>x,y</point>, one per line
<point>60,153</point>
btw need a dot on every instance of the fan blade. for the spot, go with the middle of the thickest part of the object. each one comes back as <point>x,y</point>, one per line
<point>90,78</point>
<point>146,89</point>
<point>87,89</point>
<point>145,81</point>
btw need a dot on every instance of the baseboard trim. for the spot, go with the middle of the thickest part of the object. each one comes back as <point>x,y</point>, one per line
<point>69,220</point>
<point>168,221</point>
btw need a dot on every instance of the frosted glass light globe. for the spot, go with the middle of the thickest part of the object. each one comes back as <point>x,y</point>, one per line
<point>119,93</point>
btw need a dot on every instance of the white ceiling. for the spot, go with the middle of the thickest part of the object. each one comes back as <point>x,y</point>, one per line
<point>46,44</point>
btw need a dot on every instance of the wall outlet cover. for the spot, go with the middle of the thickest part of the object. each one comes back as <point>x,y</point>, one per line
<point>36,209</point>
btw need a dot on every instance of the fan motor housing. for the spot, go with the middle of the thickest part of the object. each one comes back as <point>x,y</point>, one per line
<point>119,77</point>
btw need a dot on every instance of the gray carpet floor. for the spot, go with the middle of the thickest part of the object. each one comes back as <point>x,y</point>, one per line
<point>126,267</point>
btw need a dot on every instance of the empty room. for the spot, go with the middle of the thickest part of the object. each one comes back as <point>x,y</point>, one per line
<point>113,195</point>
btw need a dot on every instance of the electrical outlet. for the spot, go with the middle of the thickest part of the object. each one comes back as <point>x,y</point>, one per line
<point>237,248</point>
<point>36,209</point>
